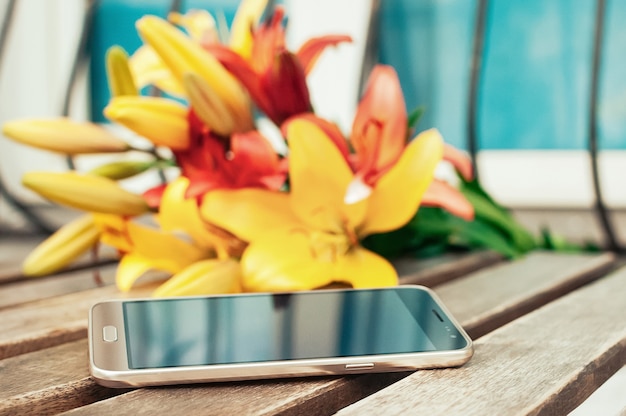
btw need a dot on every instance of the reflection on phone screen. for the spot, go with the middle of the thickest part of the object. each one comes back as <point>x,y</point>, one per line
<point>201,331</point>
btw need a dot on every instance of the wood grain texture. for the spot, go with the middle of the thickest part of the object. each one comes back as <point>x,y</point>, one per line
<point>325,396</point>
<point>519,287</point>
<point>546,362</point>
<point>435,271</point>
<point>12,253</point>
<point>37,381</point>
<point>35,288</point>
<point>45,323</point>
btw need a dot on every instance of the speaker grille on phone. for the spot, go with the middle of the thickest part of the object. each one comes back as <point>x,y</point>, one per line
<point>437,315</point>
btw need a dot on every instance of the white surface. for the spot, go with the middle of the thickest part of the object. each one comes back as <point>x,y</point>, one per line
<point>550,178</point>
<point>608,400</point>
<point>34,72</point>
<point>334,82</point>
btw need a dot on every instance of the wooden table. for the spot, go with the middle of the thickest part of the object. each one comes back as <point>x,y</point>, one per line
<point>549,329</point>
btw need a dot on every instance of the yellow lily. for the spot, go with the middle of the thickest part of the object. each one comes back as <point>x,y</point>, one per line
<point>148,68</point>
<point>198,256</point>
<point>313,238</point>
<point>120,78</point>
<point>208,106</point>
<point>85,192</point>
<point>162,121</point>
<point>182,55</point>
<point>62,247</point>
<point>199,24</point>
<point>145,248</point>
<point>179,214</point>
<point>63,136</point>
<point>202,278</point>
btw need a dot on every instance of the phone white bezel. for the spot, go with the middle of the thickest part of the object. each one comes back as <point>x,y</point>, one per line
<point>108,361</point>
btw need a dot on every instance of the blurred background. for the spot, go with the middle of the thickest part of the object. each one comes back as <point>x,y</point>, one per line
<point>511,81</point>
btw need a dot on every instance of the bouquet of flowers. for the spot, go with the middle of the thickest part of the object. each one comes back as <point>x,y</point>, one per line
<point>239,216</point>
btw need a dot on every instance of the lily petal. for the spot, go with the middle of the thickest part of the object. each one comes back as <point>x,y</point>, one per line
<point>285,84</point>
<point>310,51</point>
<point>363,268</point>
<point>200,25</point>
<point>148,69</point>
<point>164,250</point>
<point>129,269</point>
<point>248,213</point>
<point>317,194</point>
<point>331,129</point>
<point>62,247</point>
<point>254,162</point>
<point>205,277</point>
<point>460,160</point>
<point>246,74</point>
<point>209,107</point>
<point>85,192</point>
<point>398,193</point>
<point>183,55</point>
<point>120,78</point>
<point>284,261</point>
<point>178,213</point>
<point>63,136</point>
<point>380,124</point>
<point>443,195</point>
<point>160,120</point>
<point>248,14</point>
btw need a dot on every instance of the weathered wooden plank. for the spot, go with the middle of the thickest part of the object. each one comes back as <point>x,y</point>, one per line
<point>441,269</point>
<point>36,288</point>
<point>324,396</point>
<point>45,323</point>
<point>519,288</point>
<point>609,399</point>
<point>546,362</point>
<point>12,253</point>
<point>57,384</point>
<point>32,375</point>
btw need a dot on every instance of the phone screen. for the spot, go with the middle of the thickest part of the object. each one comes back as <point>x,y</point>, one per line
<point>274,327</point>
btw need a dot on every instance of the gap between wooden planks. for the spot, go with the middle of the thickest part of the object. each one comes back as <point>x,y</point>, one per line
<point>52,320</point>
<point>546,362</point>
<point>551,273</point>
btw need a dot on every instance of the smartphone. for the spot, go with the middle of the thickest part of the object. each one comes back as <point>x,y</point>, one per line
<point>144,342</point>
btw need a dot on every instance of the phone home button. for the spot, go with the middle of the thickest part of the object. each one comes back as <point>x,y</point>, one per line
<point>109,333</point>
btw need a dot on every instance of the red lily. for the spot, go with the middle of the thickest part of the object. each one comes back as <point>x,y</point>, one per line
<point>274,76</point>
<point>243,160</point>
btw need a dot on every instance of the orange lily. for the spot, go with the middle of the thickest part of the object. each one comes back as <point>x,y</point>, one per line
<point>379,137</point>
<point>310,237</point>
<point>274,76</point>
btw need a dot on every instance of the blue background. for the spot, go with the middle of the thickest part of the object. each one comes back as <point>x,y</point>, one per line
<point>535,75</point>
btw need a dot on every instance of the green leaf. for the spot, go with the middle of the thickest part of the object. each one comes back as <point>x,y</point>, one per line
<point>488,210</point>
<point>415,116</point>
